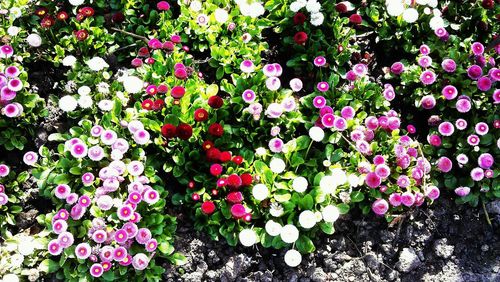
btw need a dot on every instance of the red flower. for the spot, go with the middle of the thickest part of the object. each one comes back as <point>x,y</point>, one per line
<point>47,22</point>
<point>200,115</point>
<point>488,4</point>
<point>234,180</point>
<point>168,45</point>
<point>246,179</point>
<point>136,62</point>
<point>143,52</point>
<point>118,17</point>
<point>158,105</point>
<point>80,17</point>
<point>162,88</point>
<point>86,11</point>
<point>184,131</point>
<point>341,8</point>
<point>168,130</point>
<point>213,154</point>
<point>215,169</point>
<point>216,130</point>
<point>355,19</point>
<point>163,6</point>
<point>62,16</point>
<point>177,92</point>
<point>247,217</point>
<point>237,160</point>
<point>299,18</point>
<point>181,73</point>
<point>147,104</point>
<point>195,197</point>
<point>238,211</point>
<point>215,102</point>
<point>81,34</point>
<point>225,156</point>
<point>221,182</point>
<point>191,184</point>
<point>300,37</point>
<point>208,207</point>
<point>207,145</point>
<point>235,197</point>
<point>41,12</point>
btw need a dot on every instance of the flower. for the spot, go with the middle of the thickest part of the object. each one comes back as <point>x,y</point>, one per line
<point>195,6</point>
<point>68,103</point>
<point>355,19</point>
<point>215,102</point>
<point>300,184</point>
<point>248,96</point>
<point>428,102</point>
<point>446,128</point>
<point>485,161</point>
<point>247,66</point>
<point>273,83</point>
<point>481,128</point>
<point>216,130</point>
<point>477,48</point>
<point>296,84</point>
<point>184,131</point>
<point>397,68</point>
<point>273,228</point>
<point>289,233</point>
<point>97,64</point>
<point>277,165</point>
<point>133,84</point>
<point>407,199</point>
<point>449,65</point>
<point>62,191</point>
<point>380,206</point>
<point>30,158</point>
<point>477,174</point>
<point>316,133</point>
<point>163,6</point>
<point>462,191</point>
<point>247,237</point>
<point>140,261</point>
<point>474,72</point>
<point>293,258</point>
<point>54,247</point>
<point>428,77</point>
<point>260,192</point>
<point>432,192</point>
<point>221,15</point>
<point>300,37</point>
<point>307,219</point>
<point>34,40</point>
<point>330,213</point>
<point>410,15</point>
<point>372,180</point>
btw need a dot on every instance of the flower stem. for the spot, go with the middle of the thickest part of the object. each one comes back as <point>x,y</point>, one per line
<point>130,34</point>
<point>307,152</point>
<point>486,213</point>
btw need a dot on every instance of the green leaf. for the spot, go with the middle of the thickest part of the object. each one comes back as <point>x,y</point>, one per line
<point>305,245</point>
<point>327,228</point>
<point>306,202</point>
<point>48,266</point>
<point>357,197</point>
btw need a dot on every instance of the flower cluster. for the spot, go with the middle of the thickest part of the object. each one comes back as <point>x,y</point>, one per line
<point>312,6</point>
<point>409,11</point>
<point>10,84</point>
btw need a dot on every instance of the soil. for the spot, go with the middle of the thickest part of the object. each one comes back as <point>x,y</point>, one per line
<point>444,242</point>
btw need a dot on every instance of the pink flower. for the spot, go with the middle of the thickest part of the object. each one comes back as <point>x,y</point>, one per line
<point>351,75</point>
<point>395,199</point>
<point>407,199</point>
<point>59,226</point>
<point>449,65</point>
<point>474,72</point>
<point>380,206</point>
<point>360,70</point>
<point>432,192</point>
<point>462,191</point>
<point>248,96</point>
<point>473,140</point>
<point>484,84</point>
<point>238,211</point>
<point>486,160</point>
<point>424,49</point>
<point>83,251</point>
<point>296,84</point>
<point>65,239</point>
<point>151,196</point>
<point>140,261</point>
<point>121,236</point>
<point>477,48</point>
<point>77,212</point>
<point>120,253</point>
<point>328,120</point>
<point>319,102</point>
<point>30,158</point>
<point>96,130</point>
<point>96,270</point>
<point>461,124</point>
<point>477,174</point>
<point>108,137</point>
<point>397,68</point>
<point>348,112</point>
<point>428,77</point>
<point>62,191</point>
<point>163,6</point>
<point>463,105</point>
<point>125,212</point>
<point>482,128</point>
<point>403,181</point>
<point>143,235</point>
<point>389,93</point>
<point>54,247</point>
<point>99,236</point>
<point>425,61</point>
<point>276,145</point>
<point>323,86</point>
<point>382,171</point>
<point>444,164</point>
<point>428,102</point>
<point>371,122</point>
<point>247,66</point>
<point>126,261</point>
<point>446,128</point>
<point>340,124</point>
<point>449,92</point>
<point>372,180</point>
<point>151,245</point>
<point>270,70</point>
<point>131,229</point>
<point>96,153</point>
<point>135,197</point>
<point>319,61</point>
<point>434,140</point>
<point>62,214</point>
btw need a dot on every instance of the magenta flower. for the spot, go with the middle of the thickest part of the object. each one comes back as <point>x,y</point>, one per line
<point>486,160</point>
<point>348,112</point>
<point>135,197</point>
<point>62,191</point>
<point>378,160</point>
<point>88,178</point>
<point>449,65</point>
<point>360,70</point>
<point>140,261</point>
<point>425,61</point>
<point>131,229</point>
<point>151,245</point>
<point>6,51</point>
<point>442,33</point>
<point>461,124</point>
<point>357,135</point>
<point>428,102</point>
<point>393,123</point>
<point>496,96</point>
<point>395,199</point>
<point>65,239</point>
<point>462,191</point>
<point>126,261</point>
<point>380,206</point>
<point>269,70</point>
<point>108,137</point>
<point>72,198</point>
<point>99,236</point>
<point>30,158</point>
<point>403,181</point>
<point>389,93</point>
<point>276,145</point>
<point>12,71</point>
<point>54,247</point>
<point>325,110</point>
<point>428,77</point>
<point>474,72</point>
<point>382,171</point>
<point>328,120</point>
<point>477,174</point>
<point>449,92</point>
<point>121,236</point>
<point>319,61</point>
<point>482,128</point>
<point>125,212</point>
<point>372,180</point>
<point>473,140</point>
<point>59,226</point>
<point>79,150</point>
<point>248,96</point>
<point>432,192</point>
<point>463,105</point>
<point>407,199</point>
<point>340,124</point>
<point>319,102</point>
<point>351,75</point>
<point>96,270</point>
<point>143,236</point>
<point>446,128</point>
<point>84,201</point>
<point>489,173</point>
<point>397,68</point>
<point>83,251</point>
<point>151,196</point>
<point>477,48</point>
<point>12,110</point>
<point>371,122</point>
<point>494,74</point>
<point>77,212</point>
<point>323,86</point>
<point>484,84</point>
<point>238,211</point>
<point>444,164</point>
<point>62,214</point>
<point>7,94</point>
<point>120,253</point>
<point>247,66</point>
<point>424,49</point>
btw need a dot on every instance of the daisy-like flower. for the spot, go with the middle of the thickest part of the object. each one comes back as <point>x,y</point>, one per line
<point>247,66</point>
<point>380,207</point>
<point>289,233</point>
<point>428,77</point>
<point>83,251</point>
<point>482,128</point>
<point>30,158</point>
<point>54,247</point>
<point>293,258</point>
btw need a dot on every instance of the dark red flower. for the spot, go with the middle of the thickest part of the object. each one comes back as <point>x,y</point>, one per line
<point>177,92</point>
<point>300,37</point>
<point>168,130</point>
<point>147,104</point>
<point>163,6</point>
<point>181,73</point>
<point>234,197</point>
<point>215,102</point>
<point>208,207</point>
<point>62,16</point>
<point>234,180</point>
<point>237,160</point>
<point>162,88</point>
<point>207,145</point>
<point>488,4</point>
<point>246,179</point>
<point>213,154</point>
<point>299,18</point>
<point>200,115</point>
<point>225,156</point>
<point>216,130</point>
<point>41,12</point>
<point>355,19</point>
<point>80,17</point>
<point>118,17</point>
<point>341,8</point>
<point>86,11</point>
<point>215,169</point>
<point>184,131</point>
<point>158,104</point>
<point>81,34</point>
<point>143,52</point>
<point>47,22</point>
<point>247,217</point>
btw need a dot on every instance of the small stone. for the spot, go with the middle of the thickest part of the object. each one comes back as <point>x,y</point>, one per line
<point>408,260</point>
<point>493,207</point>
<point>442,249</point>
<point>485,248</point>
<point>318,275</point>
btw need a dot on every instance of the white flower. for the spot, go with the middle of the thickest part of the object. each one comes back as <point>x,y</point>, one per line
<point>16,260</point>
<point>68,103</point>
<point>195,6</point>
<point>313,6</point>
<point>97,64</point>
<point>133,84</point>
<point>277,165</point>
<point>353,180</point>
<point>26,246</point>
<point>261,151</point>
<point>84,90</point>
<point>395,8</point>
<point>221,15</point>
<point>103,87</point>
<point>328,184</point>
<point>85,101</point>
<point>436,12</point>
<point>10,278</point>
<point>296,6</point>
<point>273,228</point>
<point>410,15</point>
<point>339,176</point>
<point>15,12</point>
<point>246,37</point>
<point>276,210</point>
<point>69,61</point>
<point>289,233</point>
<point>13,30</point>
<point>76,2</point>
<point>317,19</point>
<point>247,237</point>
<point>432,3</point>
<point>105,105</point>
<point>260,192</point>
<point>293,258</point>
<point>316,133</point>
<point>253,10</point>
<point>436,22</point>
<point>299,184</point>
<point>307,219</point>
<point>330,213</point>
<point>34,40</point>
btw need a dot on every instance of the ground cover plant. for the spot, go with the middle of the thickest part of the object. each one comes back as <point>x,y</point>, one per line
<point>258,123</point>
